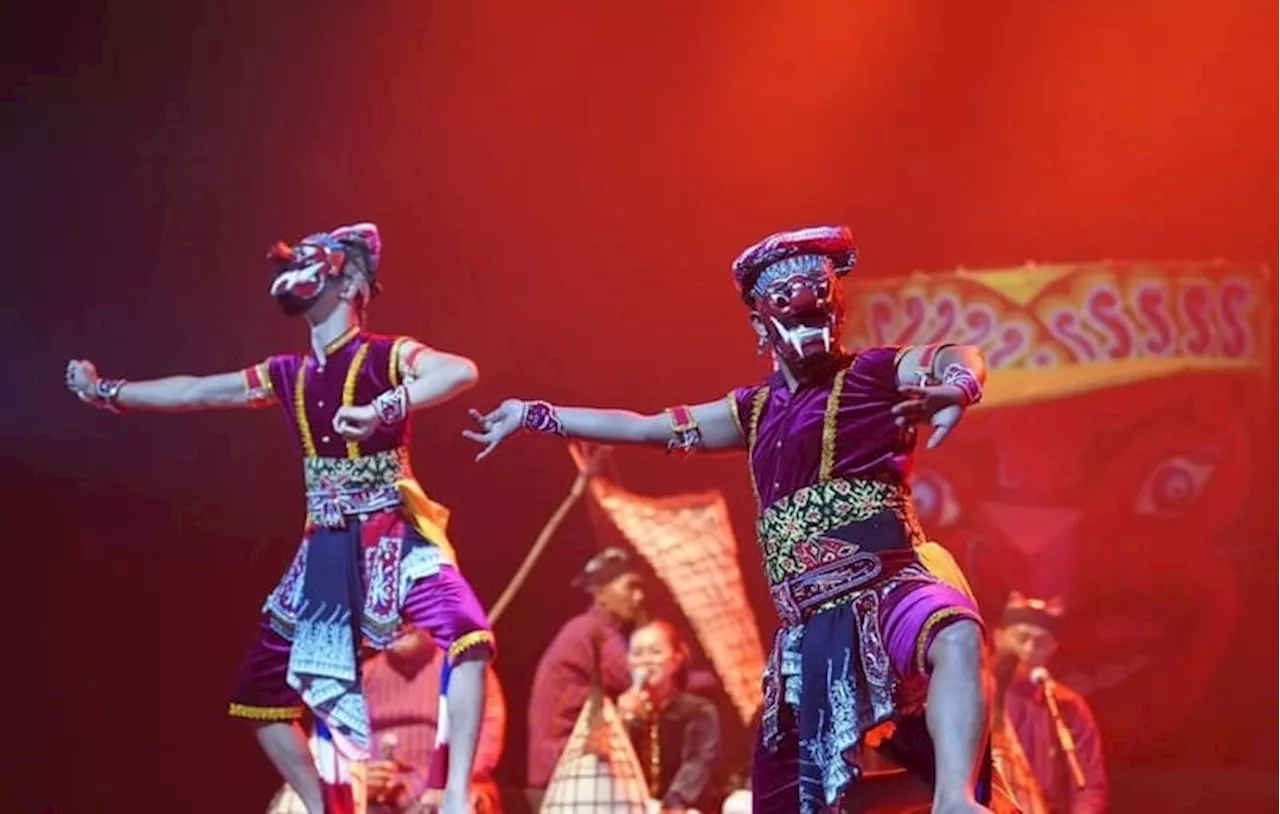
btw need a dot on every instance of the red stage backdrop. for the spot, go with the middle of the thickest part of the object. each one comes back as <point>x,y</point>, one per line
<point>1109,464</point>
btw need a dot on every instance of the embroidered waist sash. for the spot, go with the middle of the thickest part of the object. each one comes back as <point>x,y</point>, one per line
<point>834,520</point>
<point>830,664</point>
<point>834,553</point>
<point>339,487</point>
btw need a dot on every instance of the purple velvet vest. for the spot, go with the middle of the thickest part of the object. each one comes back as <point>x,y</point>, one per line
<point>343,477</point>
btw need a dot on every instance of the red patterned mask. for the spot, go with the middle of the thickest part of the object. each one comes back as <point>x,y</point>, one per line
<point>302,271</point>
<point>801,305</point>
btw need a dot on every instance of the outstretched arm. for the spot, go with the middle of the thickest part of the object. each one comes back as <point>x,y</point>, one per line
<point>173,394</point>
<point>430,377</point>
<point>709,426</point>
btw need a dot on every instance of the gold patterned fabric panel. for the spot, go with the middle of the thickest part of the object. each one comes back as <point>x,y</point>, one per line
<point>794,531</point>
<point>337,487</point>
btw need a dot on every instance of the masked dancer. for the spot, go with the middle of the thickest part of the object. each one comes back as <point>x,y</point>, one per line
<point>374,555</point>
<point>870,640</point>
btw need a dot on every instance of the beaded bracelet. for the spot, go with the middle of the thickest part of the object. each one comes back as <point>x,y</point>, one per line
<point>106,394</point>
<point>392,406</point>
<point>540,416</point>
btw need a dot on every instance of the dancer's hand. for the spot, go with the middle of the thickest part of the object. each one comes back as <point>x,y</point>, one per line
<point>495,427</point>
<point>82,379</point>
<point>941,405</point>
<point>355,423</point>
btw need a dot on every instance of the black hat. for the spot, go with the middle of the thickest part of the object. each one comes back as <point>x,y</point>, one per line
<point>604,568</point>
<point>1031,611</point>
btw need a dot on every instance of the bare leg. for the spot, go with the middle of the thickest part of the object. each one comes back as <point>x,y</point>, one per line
<point>466,708</point>
<point>286,746</point>
<point>956,714</point>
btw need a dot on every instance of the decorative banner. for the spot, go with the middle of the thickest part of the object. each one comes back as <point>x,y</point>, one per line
<point>598,770</point>
<point>689,542</point>
<point>1110,464</point>
<point>1054,331</point>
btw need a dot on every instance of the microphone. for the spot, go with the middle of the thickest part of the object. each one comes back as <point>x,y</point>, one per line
<point>1040,677</point>
<point>639,678</point>
<point>388,742</point>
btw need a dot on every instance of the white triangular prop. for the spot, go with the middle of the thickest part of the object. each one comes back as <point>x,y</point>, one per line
<point>598,770</point>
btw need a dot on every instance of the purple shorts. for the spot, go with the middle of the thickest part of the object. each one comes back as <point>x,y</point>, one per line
<point>910,617</point>
<point>442,604</point>
<point>913,616</point>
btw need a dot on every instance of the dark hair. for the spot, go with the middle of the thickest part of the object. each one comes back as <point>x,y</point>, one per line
<point>358,252</point>
<point>359,261</point>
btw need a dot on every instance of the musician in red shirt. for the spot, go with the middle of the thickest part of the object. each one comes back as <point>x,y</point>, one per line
<point>591,648</point>
<point>1025,642</point>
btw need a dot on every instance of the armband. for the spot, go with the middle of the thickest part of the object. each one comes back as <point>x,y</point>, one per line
<point>928,358</point>
<point>257,385</point>
<point>686,437</point>
<point>958,375</point>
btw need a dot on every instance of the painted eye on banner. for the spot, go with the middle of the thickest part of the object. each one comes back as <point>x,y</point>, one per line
<point>1173,487</point>
<point>935,500</point>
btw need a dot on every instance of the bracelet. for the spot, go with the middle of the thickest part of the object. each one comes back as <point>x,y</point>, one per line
<point>392,406</point>
<point>540,416</point>
<point>106,394</point>
<point>958,375</point>
<point>686,436</point>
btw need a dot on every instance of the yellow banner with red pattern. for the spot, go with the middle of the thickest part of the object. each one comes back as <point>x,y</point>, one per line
<point>1050,331</point>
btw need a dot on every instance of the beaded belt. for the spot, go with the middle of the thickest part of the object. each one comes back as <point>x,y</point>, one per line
<point>339,487</point>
